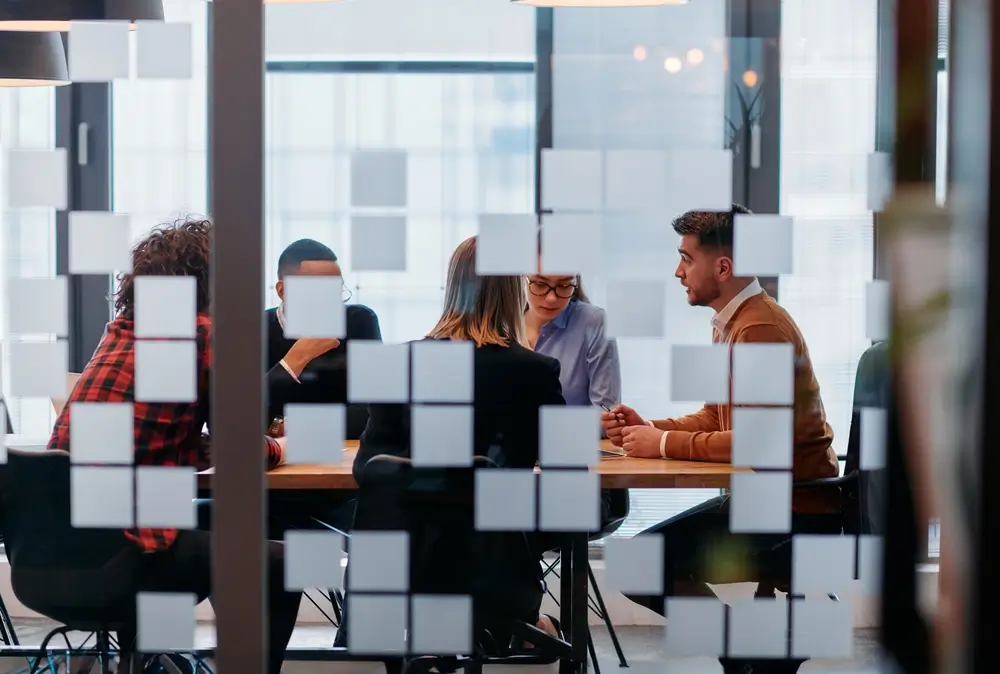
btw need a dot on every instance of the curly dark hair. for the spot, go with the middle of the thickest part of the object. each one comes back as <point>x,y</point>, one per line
<point>179,249</point>
<point>713,228</point>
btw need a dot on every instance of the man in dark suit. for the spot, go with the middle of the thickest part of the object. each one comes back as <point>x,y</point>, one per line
<point>311,370</point>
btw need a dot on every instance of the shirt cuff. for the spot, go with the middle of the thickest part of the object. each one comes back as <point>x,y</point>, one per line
<point>289,370</point>
<point>663,445</point>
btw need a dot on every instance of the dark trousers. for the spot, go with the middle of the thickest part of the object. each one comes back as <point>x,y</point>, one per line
<point>187,567</point>
<point>698,548</point>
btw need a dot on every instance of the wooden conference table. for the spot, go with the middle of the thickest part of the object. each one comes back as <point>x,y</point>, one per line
<point>615,472</point>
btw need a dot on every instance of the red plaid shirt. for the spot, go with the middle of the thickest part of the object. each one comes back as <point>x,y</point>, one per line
<point>166,434</point>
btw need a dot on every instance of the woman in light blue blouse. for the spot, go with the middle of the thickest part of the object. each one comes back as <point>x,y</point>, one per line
<point>563,324</point>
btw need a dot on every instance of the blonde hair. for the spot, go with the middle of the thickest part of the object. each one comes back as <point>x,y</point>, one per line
<point>481,309</point>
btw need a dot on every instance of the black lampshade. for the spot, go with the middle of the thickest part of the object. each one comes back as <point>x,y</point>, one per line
<point>55,15</point>
<point>32,59</point>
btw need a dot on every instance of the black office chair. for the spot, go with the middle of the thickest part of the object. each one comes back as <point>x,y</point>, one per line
<point>617,505</point>
<point>860,511</point>
<point>78,577</point>
<point>449,556</point>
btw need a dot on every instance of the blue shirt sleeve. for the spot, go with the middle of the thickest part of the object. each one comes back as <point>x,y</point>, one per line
<point>603,367</point>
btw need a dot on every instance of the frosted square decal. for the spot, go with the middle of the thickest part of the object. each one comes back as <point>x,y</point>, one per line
<point>378,624</point>
<point>571,180</point>
<point>699,373</point>
<point>380,561</point>
<point>822,564</point>
<point>166,372</point>
<point>378,243</point>
<point>822,628</point>
<point>442,371</point>
<point>880,180</point>
<point>38,306</point>
<point>569,500</point>
<point>569,436</point>
<point>37,178</point>
<point>762,245</point>
<point>313,560</point>
<point>441,625</point>
<point>101,433</point>
<point>758,628</point>
<point>165,621</point>
<point>441,435</point>
<point>165,497</point>
<point>163,50</point>
<point>101,497</point>
<point>635,565</point>
<point>700,180</point>
<point>378,178</point>
<point>314,307</point>
<point>761,503</point>
<point>696,626</point>
<point>870,564</point>
<point>315,432</point>
<point>762,437</point>
<point>877,314</point>
<point>99,243</point>
<point>98,51</point>
<point>763,374</point>
<point>38,369</point>
<point>165,306</point>
<point>505,499</point>
<point>378,373</point>
<point>873,434</point>
<point>507,245</point>
<point>636,308</point>
<point>571,244</point>
<point>635,180</point>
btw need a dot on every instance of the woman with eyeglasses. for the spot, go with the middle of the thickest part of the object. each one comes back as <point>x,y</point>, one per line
<point>563,324</point>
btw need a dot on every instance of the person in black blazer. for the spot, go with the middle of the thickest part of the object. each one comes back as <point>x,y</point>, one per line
<point>313,370</point>
<point>511,383</point>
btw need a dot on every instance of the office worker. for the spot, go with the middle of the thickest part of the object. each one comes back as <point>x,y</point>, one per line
<point>310,370</point>
<point>562,323</point>
<point>744,313</point>
<point>170,433</point>
<point>511,383</point>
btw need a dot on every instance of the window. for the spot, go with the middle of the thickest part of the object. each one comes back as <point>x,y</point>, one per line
<point>27,235</point>
<point>469,143</point>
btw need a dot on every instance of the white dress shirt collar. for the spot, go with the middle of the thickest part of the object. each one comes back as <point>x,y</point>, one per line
<point>722,319</point>
<point>280,313</point>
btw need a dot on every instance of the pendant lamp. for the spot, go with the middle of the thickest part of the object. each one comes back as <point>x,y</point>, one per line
<point>55,15</point>
<point>598,3</point>
<point>32,60</point>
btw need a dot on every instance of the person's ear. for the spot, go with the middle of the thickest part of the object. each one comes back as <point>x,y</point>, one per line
<point>279,288</point>
<point>724,268</point>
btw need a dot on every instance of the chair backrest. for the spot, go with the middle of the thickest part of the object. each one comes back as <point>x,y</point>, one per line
<point>872,386</point>
<point>35,501</point>
<point>59,403</point>
<point>447,555</point>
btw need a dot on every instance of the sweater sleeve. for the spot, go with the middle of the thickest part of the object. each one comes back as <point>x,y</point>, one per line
<point>700,443</point>
<point>705,419</point>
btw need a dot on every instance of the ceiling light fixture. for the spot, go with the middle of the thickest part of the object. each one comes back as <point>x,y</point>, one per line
<point>32,60</point>
<point>598,3</point>
<point>56,15</point>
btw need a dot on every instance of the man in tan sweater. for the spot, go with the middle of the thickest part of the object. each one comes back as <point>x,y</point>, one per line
<point>744,313</point>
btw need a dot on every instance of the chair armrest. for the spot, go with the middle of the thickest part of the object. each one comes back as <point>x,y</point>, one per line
<point>827,481</point>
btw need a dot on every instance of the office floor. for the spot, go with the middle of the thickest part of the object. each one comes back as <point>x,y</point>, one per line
<point>644,649</point>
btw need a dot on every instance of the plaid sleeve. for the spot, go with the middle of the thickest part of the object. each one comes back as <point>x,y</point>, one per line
<point>275,453</point>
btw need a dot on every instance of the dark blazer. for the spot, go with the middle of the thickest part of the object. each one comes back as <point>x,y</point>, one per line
<point>325,379</point>
<point>511,383</point>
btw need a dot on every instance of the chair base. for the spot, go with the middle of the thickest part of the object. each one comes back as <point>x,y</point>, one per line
<point>760,666</point>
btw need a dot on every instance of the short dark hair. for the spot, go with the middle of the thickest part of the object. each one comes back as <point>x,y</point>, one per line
<point>713,228</point>
<point>303,250</point>
<point>179,249</point>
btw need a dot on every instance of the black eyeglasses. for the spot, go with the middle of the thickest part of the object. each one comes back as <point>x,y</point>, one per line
<point>346,294</point>
<point>539,289</point>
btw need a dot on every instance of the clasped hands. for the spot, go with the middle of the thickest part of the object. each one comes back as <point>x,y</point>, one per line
<point>626,429</point>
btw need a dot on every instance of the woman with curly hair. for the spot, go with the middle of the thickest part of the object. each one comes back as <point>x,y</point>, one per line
<point>167,428</point>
